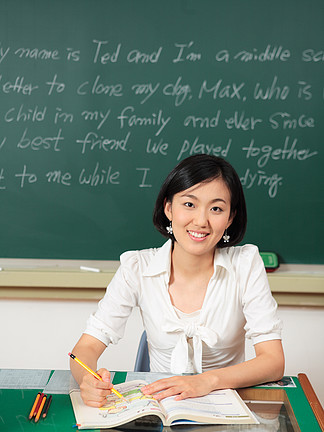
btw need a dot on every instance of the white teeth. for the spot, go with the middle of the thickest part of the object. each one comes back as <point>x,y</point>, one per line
<point>198,235</point>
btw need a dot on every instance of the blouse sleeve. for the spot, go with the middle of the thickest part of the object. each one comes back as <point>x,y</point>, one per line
<point>259,307</point>
<point>108,323</point>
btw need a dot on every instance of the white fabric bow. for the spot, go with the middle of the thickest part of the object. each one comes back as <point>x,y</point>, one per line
<point>198,333</point>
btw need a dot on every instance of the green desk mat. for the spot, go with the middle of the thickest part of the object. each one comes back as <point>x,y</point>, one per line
<point>302,410</point>
<point>15,406</point>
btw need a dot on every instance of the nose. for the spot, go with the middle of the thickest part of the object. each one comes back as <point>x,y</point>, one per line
<point>201,219</point>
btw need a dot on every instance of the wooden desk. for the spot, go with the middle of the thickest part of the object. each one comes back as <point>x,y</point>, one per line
<point>15,406</point>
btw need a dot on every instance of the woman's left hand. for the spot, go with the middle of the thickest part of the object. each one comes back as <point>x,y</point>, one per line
<point>182,387</point>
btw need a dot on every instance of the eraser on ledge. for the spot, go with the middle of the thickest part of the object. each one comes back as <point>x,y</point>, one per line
<point>270,260</point>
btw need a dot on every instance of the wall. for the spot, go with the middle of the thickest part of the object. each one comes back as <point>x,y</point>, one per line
<point>39,334</point>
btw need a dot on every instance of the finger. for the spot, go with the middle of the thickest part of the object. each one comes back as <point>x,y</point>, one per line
<point>95,388</point>
<point>105,374</point>
<point>94,396</point>
<point>105,383</point>
<point>94,403</point>
<point>159,385</point>
<point>182,396</point>
<point>178,393</point>
<point>165,393</point>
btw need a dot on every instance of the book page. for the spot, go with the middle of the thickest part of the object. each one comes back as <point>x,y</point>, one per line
<point>116,411</point>
<point>221,406</point>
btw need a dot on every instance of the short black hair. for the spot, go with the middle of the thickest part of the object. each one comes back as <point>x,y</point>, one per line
<point>198,169</point>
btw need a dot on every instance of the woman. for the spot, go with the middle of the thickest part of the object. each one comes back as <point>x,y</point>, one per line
<point>199,295</point>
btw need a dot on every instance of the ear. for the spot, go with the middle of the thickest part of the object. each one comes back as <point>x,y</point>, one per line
<point>168,209</point>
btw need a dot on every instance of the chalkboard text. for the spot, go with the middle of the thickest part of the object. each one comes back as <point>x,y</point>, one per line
<point>289,151</point>
<point>93,142</point>
<point>96,111</point>
<point>127,118</point>
<point>39,142</point>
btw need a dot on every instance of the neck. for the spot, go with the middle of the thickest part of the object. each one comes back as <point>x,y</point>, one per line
<point>191,264</point>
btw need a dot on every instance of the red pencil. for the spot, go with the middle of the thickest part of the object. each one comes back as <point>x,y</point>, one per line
<point>38,404</point>
<point>40,409</point>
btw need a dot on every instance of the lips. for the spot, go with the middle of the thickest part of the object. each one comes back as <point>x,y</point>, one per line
<point>197,235</point>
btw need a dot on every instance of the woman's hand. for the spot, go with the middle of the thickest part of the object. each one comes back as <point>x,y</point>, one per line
<point>267,366</point>
<point>94,391</point>
<point>182,387</point>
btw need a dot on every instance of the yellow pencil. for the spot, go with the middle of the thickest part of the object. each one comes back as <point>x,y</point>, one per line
<point>40,408</point>
<point>94,374</point>
<point>32,412</point>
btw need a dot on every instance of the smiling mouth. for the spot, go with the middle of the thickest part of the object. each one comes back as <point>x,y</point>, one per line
<point>198,235</point>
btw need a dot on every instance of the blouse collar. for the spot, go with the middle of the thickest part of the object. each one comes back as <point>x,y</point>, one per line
<point>161,261</point>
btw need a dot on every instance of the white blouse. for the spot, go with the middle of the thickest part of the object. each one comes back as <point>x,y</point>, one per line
<point>190,319</point>
<point>238,304</point>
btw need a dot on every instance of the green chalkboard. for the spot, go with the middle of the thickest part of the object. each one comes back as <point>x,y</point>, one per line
<point>100,99</point>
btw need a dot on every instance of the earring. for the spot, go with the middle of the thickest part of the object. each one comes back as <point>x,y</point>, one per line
<point>169,228</point>
<point>226,237</point>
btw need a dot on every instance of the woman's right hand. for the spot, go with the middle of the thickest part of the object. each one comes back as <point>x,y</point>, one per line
<point>93,391</point>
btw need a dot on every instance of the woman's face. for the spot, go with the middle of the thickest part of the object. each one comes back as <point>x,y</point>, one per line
<point>200,216</point>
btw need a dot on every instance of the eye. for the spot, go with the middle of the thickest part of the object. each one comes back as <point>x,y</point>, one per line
<point>189,204</point>
<point>216,209</point>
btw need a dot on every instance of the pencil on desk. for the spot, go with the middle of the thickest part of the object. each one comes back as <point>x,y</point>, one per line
<point>38,404</point>
<point>94,374</point>
<point>47,405</point>
<point>40,409</point>
<point>35,404</point>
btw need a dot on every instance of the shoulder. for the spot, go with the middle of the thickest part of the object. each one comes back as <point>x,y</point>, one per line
<point>141,260</point>
<point>236,255</point>
<point>243,262</point>
<point>133,265</point>
<point>133,257</point>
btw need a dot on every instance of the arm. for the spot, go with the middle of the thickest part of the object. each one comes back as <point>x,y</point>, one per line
<point>268,365</point>
<point>93,392</point>
<point>104,327</point>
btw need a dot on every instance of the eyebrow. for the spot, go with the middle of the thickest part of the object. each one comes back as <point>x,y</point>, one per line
<point>211,202</point>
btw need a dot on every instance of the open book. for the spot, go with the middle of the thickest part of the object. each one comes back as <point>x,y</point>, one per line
<point>219,407</point>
